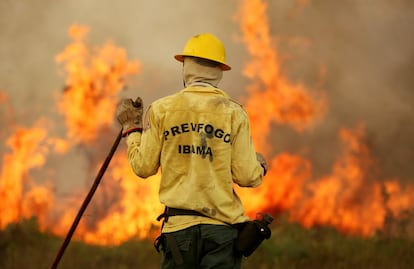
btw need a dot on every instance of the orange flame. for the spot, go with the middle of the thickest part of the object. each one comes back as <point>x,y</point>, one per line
<point>351,198</point>
<point>3,97</point>
<point>399,198</point>
<point>279,99</point>
<point>137,208</point>
<point>27,153</point>
<point>94,78</point>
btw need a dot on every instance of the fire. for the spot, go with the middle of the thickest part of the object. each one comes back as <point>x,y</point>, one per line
<point>279,100</point>
<point>94,78</point>
<point>399,198</point>
<point>3,98</point>
<point>137,209</point>
<point>350,198</point>
<point>28,152</point>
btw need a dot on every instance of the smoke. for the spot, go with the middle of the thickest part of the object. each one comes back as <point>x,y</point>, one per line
<point>360,52</point>
<point>365,51</point>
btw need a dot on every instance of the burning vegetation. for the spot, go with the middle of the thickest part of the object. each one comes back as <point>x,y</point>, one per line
<point>351,198</point>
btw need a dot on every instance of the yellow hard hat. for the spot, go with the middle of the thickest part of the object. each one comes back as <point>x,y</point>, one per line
<point>206,46</point>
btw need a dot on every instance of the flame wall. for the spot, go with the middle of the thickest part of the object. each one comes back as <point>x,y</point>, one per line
<point>338,147</point>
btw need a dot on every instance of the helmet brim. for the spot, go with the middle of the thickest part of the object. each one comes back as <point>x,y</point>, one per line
<point>180,58</point>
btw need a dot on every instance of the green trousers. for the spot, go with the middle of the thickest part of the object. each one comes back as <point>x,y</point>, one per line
<point>201,246</point>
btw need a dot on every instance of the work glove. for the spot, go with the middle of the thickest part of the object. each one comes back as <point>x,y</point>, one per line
<point>129,115</point>
<point>262,162</point>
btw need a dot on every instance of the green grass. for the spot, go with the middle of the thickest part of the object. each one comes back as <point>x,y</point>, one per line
<point>22,245</point>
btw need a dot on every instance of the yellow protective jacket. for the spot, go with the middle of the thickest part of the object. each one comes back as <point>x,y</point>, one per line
<point>201,140</point>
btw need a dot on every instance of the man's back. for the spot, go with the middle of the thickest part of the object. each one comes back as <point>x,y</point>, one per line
<point>201,140</point>
<point>199,126</point>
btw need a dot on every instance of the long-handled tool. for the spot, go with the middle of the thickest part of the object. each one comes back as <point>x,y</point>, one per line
<point>88,198</point>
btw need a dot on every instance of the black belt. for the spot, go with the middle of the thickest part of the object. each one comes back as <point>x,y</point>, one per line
<point>168,212</point>
<point>171,211</point>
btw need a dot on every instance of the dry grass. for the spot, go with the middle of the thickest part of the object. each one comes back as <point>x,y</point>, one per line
<point>24,246</point>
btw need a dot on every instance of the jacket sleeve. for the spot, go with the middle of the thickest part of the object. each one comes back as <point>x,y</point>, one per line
<point>246,170</point>
<point>144,149</point>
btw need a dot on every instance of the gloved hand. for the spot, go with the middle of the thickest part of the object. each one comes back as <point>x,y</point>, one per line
<point>129,115</point>
<point>262,162</point>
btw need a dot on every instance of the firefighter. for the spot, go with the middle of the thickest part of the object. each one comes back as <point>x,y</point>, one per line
<point>200,139</point>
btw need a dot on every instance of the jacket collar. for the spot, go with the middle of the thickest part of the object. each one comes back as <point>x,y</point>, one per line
<point>206,89</point>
